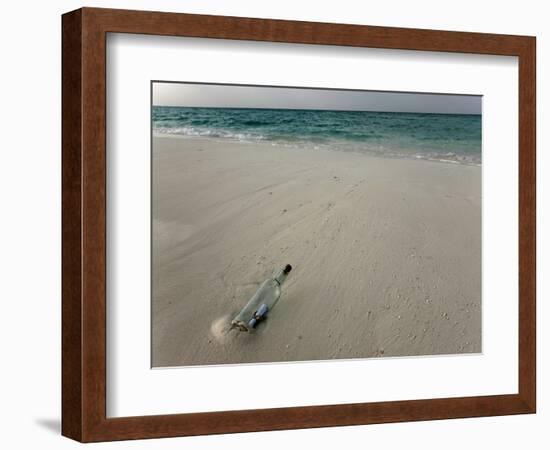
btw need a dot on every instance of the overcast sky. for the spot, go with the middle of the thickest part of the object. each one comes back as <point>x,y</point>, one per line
<point>233,96</point>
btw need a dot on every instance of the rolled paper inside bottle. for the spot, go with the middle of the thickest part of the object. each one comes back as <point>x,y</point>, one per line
<point>262,311</point>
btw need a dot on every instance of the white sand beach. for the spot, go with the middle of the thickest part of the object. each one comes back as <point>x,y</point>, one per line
<point>386,253</point>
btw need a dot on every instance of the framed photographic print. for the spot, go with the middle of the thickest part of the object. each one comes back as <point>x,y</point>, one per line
<point>273,224</point>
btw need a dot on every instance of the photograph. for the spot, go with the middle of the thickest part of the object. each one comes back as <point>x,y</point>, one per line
<point>302,224</point>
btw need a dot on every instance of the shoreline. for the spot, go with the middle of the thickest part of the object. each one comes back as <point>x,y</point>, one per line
<point>324,146</point>
<point>386,253</point>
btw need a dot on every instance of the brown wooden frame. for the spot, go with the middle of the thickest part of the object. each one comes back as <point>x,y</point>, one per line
<point>84,233</point>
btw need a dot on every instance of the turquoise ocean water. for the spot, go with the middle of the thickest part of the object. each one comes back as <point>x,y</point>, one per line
<point>453,138</point>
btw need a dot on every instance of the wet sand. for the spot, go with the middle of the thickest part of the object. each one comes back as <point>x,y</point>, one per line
<point>386,253</point>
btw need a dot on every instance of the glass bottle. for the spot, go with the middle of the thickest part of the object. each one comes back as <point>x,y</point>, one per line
<point>261,302</point>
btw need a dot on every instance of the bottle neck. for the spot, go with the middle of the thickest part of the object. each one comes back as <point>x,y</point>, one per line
<point>281,277</point>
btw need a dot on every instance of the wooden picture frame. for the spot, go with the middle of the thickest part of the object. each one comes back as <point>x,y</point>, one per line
<point>84,224</point>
